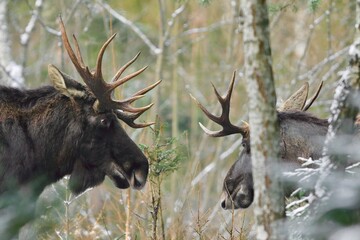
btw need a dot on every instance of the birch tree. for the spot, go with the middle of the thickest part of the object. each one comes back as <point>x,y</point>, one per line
<point>264,132</point>
<point>10,72</point>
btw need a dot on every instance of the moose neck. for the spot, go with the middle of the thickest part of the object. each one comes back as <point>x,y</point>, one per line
<point>302,135</point>
<point>41,129</point>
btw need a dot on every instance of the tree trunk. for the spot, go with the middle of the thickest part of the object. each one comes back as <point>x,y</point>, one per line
<point>11,74</point>
<point>175,86</point>
<point>159,59</point>
<point>4,45</point>
<point>264,129</point>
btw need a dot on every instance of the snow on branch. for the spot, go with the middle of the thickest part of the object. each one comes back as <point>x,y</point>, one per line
<point>341,94</point>
<point>25,36</point>
<point>14,72</point>
<point>300,206</point>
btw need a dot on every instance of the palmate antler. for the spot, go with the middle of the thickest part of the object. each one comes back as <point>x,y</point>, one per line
<point>297,101</point>
<point>224,119</point>
<point>103,90</point>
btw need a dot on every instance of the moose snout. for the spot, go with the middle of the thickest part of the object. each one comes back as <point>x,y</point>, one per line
<point>226,203</point>
<point>131,175</point>
<point>238,202</point>
<point>238,199</point>
<point>138,178</point>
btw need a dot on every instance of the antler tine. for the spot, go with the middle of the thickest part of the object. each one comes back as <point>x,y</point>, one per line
<point>125,104</point>
<point>147,89</point>
<point>138,111</point>
<point>126,78</point>
<point>130,118</point>
<point>78,52</point>
<point>224,119</point>
<point>207,113</point>
<point>75,58</point>
<point>225,101</point>
<point>98,72</point>
<point>312,100</point>
<point>123,68</point>
<point>211,133</point>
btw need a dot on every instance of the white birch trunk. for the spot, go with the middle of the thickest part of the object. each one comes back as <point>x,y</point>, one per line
<point>4,45</point>
<point>10,72</point>
<point>264,130</point>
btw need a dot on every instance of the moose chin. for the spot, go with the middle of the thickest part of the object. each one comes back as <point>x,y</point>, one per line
<point>69,128</point>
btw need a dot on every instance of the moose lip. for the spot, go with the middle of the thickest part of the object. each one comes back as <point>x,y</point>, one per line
<point>119,178</point>
<point>228,203</point>
<point>241,197</point>
<point>119,174</point>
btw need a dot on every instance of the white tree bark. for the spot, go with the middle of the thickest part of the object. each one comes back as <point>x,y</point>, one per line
<point>4,44</point>
<point>10,72</point>
<point>264,130</point>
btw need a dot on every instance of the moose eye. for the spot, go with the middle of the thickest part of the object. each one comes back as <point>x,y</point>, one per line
<point>104,122</point>
<point>243,144</point>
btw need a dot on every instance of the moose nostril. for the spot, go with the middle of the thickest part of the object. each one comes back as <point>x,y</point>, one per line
<point>138,179</point>
<point>223,204</point>
<point>241,196</point>
<point>137,183</point>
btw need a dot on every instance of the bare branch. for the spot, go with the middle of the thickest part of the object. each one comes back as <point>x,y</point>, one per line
<point>132,26</point>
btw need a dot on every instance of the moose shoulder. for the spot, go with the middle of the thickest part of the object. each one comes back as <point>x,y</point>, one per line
<point>69,129</point>
<point>301,135</point>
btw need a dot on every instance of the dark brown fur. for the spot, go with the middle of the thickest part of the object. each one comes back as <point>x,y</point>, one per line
<point>45,135</point>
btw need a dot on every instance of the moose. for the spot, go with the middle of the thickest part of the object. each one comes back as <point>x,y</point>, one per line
<point>301,135</point>
<point>69,128</point>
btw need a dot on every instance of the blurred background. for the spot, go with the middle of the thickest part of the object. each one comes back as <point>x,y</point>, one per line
<point>189,45</point>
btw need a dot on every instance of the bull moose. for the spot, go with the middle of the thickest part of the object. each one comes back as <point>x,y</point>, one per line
<point>301,135</point>
<point>69,128</point>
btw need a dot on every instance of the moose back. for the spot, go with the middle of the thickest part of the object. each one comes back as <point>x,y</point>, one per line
<point>68,129</point>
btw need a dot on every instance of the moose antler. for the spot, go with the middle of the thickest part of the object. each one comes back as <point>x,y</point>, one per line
<point>224,119</point>
<point>103,90</point>
<point>313,98</point>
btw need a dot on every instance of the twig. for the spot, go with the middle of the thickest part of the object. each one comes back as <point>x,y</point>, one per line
<point>19,83</point>
<point>25,36</point>
<point>207,29</point>
<point>320,65</point>
<point>132,26</point>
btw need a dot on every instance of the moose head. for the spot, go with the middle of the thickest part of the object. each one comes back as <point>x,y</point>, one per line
<point>71,129</point>
<point>301,136</point>
<point>107,149</point>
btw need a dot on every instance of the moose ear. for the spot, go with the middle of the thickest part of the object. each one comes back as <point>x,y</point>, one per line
<point>296,101</point>
<point>64,84</point>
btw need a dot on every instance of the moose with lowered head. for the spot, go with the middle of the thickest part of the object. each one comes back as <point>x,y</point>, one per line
<point>301,135</point>
<point>69,129</point>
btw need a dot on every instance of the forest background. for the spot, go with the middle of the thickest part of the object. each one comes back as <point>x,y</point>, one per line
<point>189,45</point>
